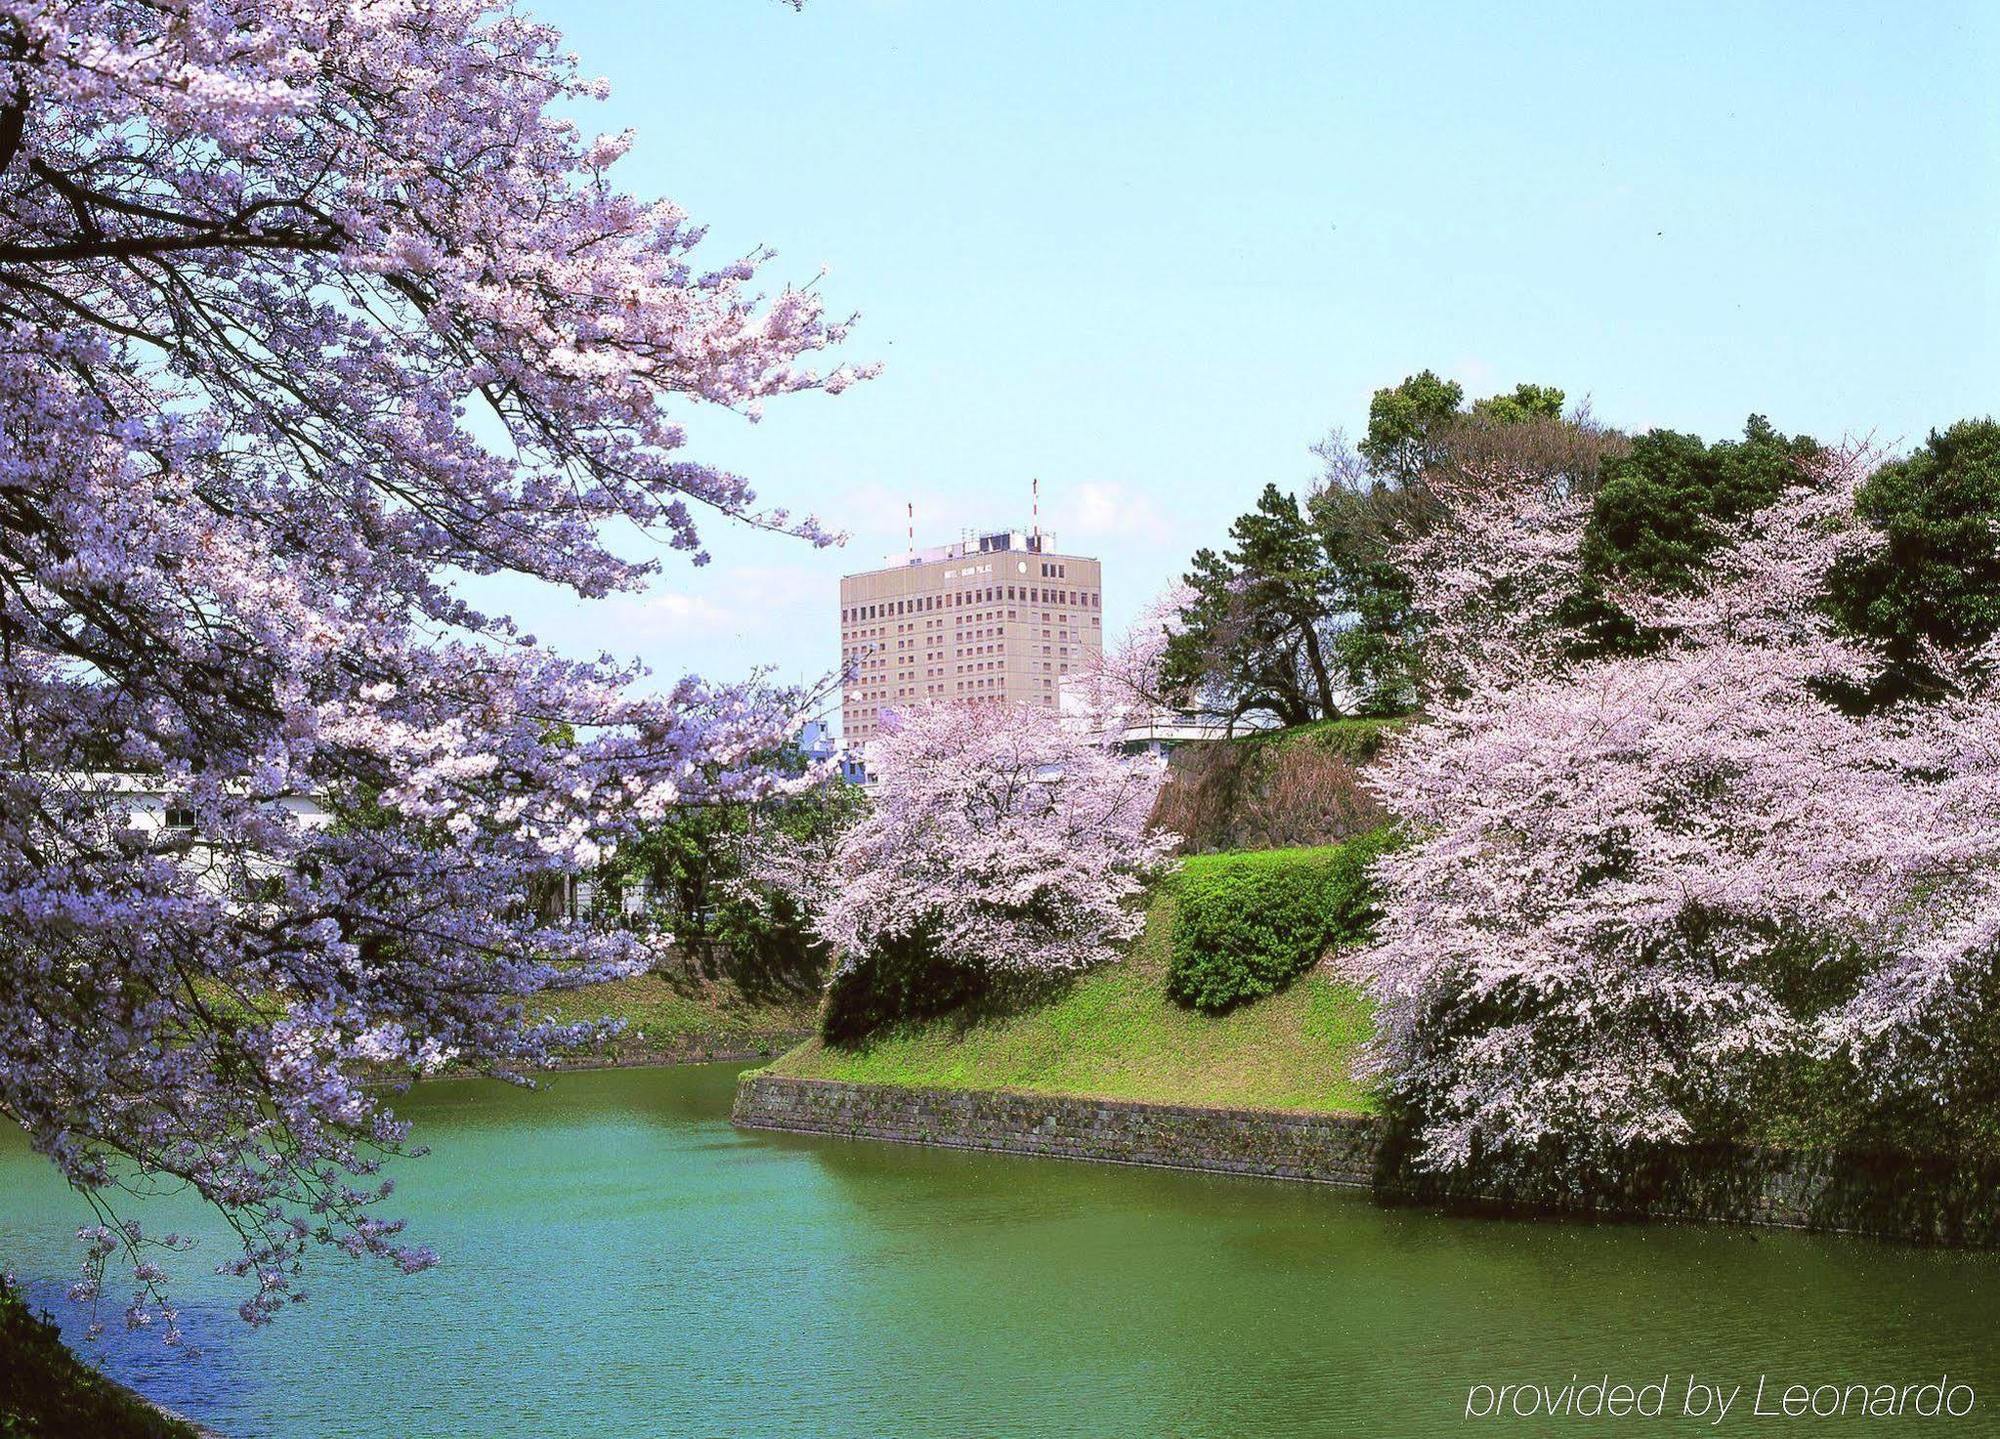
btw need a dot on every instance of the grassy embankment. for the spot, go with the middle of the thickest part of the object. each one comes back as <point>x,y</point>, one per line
<point>670,1017</point>
<point>1356,740</point>
<point>1114,1034</point>
<point>47,1392</point>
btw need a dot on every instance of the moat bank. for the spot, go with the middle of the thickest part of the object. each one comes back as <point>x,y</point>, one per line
<point>1872,1195</point>
<point>1268,1144</point>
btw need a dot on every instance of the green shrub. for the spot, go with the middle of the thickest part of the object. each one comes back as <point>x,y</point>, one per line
<point>1355,739</point>
<point>46,1392</point>
<point>1250,923</point>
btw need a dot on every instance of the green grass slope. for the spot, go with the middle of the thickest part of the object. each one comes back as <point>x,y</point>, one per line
<point>665,1013</point>
<point>1114,1034</point>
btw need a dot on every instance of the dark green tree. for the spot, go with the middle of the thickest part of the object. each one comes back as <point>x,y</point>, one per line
<point>692,863</point>
<point>1661,510</point>
<point>1935,579</point>
<point>1360,526</point>
<point>1255,637</point>
<point>684,861</point>
<point>1308,614</point>
<point>1378,497</point>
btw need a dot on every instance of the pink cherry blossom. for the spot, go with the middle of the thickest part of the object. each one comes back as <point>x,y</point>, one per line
<point>1013,840</point>
<point>1613,862</point>
<point>1119,684</point>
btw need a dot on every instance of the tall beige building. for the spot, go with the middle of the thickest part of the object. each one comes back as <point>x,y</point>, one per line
<point>997,619</point>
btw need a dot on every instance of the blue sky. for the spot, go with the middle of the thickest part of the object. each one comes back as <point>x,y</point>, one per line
<point>1151,251</point>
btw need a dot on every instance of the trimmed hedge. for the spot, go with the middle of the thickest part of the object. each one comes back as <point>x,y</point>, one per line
<point>1250,923</point>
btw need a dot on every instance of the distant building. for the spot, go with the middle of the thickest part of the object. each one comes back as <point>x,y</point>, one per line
<point>815,742</point>
<point>998,619</point>
<point>817,745</point>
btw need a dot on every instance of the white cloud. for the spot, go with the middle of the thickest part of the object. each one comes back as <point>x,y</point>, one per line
<point>1107,509</point>
<point>673,607</point>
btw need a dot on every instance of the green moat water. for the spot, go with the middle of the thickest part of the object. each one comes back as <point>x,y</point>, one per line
<point>620,1262</point>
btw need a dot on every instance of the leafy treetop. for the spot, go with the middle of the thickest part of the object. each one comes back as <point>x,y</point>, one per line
<point>1933,585</point>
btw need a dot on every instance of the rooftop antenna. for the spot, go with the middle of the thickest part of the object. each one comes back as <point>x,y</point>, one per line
<point>1036,488</point>
<point>910,508</point>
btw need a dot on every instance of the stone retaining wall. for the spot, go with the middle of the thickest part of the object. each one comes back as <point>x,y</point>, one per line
<point>1274,1144</point>
<point>1886,1196</point>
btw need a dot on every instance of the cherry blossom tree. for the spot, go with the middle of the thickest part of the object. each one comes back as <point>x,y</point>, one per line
<point>1492,571</point>
<point>1001,839</point>
<point>1122,683</point>
<point>305,310</point>
<point>1634,882</point>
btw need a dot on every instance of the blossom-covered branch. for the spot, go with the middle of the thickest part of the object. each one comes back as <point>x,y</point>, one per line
<point>1124,683</point>
<point>304,309</point>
